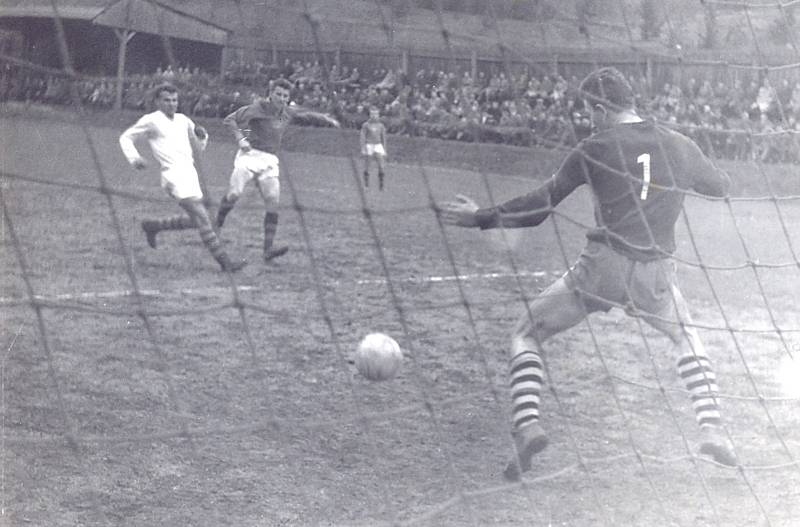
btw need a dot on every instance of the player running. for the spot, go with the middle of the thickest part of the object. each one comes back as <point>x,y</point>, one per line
<point>174,139</point>
<point>259,129</point>
<point>373,145</point>
<point>638,172</point>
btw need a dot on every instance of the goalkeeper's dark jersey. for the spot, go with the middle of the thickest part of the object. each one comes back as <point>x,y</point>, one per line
<point>638,173</point>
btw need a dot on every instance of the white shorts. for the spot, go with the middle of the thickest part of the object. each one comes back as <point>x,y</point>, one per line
<point>252,164</point>
<point>373,149</point>
<point>181,182</point>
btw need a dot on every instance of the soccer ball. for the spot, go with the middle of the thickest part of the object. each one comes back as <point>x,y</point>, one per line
<point>378,357</point>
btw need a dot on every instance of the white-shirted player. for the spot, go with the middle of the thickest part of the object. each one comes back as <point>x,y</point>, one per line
<point>174,139</point>
<point>259,129</point>
<point>373,145</point>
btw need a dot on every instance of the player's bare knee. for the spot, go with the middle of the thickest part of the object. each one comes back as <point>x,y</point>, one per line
<point>687,340</point>
<point>271,201</point>
<point>526,335</point>
<point>677,338</point>
<point>518,345</point>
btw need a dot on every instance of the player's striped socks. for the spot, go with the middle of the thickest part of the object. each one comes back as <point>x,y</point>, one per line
<point>173,223</point>
<point>153,227</point>
<point>526,373</point>
<point>211,241</point>
<point>700,380</point>
<point>270,227</point>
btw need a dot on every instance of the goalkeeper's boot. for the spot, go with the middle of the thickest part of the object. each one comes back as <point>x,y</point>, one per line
<point>529,441</point>
<point>274,252</point>
<point>228,265</point>
<point>717,446</point>
<point>150,229</point>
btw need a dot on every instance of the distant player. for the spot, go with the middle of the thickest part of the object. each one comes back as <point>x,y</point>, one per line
<point>373,145</point>
<point>174,139</point>
<point>638,172</point>
<point>259,129</point>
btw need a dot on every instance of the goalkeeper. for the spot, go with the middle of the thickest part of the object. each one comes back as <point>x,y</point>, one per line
<point>639,173</point>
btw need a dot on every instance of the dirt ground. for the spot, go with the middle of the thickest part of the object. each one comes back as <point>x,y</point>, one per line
<point>194,403</point>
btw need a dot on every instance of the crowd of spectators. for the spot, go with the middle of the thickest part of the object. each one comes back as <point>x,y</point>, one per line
<point>737,120</point>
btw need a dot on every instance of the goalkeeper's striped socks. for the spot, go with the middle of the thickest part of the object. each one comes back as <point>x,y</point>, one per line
<point>525,375</point>
<point>700,380</point>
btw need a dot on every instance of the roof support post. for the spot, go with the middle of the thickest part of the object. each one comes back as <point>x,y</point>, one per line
<point>124,36</point>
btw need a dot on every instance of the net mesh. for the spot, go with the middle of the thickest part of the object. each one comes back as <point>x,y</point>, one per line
<point>146,389</point>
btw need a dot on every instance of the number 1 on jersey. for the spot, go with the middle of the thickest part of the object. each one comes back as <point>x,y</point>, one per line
<point>644,159</point>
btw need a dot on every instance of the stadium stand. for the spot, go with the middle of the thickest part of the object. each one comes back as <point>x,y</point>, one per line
<point>523,110</point>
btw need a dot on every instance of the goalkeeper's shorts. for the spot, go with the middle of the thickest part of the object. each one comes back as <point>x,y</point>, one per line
<point>604,278</point>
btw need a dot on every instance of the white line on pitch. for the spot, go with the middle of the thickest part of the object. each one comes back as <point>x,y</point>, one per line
<point>123,293</point>
<point>453,278</point>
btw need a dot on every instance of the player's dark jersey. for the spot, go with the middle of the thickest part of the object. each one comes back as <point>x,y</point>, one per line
<point>373,132</point>
<point>638,173</point>
<point>263,124</point>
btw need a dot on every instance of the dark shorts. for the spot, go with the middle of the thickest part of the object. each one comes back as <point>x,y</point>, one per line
<point>604,279</point>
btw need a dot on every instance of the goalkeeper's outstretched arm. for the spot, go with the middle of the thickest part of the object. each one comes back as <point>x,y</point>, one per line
<point>527,210</point>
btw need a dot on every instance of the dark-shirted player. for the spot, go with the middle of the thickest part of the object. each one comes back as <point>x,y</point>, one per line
<point>373,145</point>
<point>638,172</point>
<point>259,129</point>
